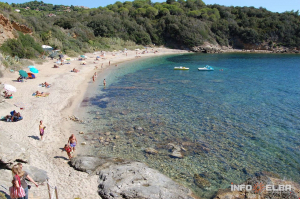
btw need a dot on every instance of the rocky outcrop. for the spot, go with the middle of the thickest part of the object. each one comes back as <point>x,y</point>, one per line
<point>206,49</point>
<point>7,28</point>
<point>9,157</point>
<point>136,180</point>
<point>125,179</point>
<point>21,28</point>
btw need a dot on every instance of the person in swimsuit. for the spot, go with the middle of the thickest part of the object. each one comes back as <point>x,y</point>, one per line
<point>104,82</point>
<point>68,149</point>
<point>41,129</point>
<point>72,141</point>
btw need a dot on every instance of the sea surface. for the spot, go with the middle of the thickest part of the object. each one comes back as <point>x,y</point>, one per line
<point>238,120</point>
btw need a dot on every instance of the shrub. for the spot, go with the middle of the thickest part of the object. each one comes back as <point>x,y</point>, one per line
<point>39,61</point>
<point>72,53</point>
<point>24,47</point>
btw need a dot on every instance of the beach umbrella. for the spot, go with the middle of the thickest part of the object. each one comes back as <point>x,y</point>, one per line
<point>34,70</point>
<point>98,57</point>
<point>10,88</point>
<point>83,56</point>
<point>23,73</point>
<point>31,66</point>
<point>68,58</point>
<point>61,56</point>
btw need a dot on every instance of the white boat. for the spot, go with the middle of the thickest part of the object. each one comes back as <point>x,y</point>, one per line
<point>181,68</point>
<point>206,68</point>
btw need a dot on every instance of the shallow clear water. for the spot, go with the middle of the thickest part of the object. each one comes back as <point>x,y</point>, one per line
<point>232,123</point>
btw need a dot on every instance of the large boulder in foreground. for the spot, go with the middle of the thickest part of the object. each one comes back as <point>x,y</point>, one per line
<point>137,180</point>
<point>125,179</point>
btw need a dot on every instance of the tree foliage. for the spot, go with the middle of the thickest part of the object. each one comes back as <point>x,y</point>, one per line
<point>184,23</point>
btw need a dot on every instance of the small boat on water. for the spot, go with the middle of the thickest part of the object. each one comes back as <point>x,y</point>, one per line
<point>181,68</point>
<point>206,68</point>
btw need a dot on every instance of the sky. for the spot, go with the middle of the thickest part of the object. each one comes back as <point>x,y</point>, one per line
<point>271,5</point>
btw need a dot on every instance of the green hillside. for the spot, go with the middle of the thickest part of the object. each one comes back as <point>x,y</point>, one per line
<point>177,24</point>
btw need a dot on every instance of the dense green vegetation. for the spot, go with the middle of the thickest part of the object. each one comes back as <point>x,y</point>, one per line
<point>175,23</point>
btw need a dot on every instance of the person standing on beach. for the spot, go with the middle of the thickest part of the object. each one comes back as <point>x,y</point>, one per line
<point>104,82</point>
<point>72,140</point>
<point>109,63</point>
<point>41,129</point>
<point>21,175</point>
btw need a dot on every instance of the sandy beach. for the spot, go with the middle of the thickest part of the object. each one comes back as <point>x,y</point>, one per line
<point>66,92</point>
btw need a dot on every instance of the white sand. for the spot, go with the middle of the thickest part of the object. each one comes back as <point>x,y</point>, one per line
<point>66,93</point>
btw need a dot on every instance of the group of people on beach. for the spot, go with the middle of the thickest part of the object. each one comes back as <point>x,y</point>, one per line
<point>13,117</point>
<point>19,188</point>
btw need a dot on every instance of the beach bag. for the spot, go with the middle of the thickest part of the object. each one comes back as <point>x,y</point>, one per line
<point>17,192</point>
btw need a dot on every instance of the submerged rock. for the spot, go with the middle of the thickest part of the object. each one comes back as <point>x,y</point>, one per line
<point>151,151</point>
<point>176,151</point>
<point>200,181</point>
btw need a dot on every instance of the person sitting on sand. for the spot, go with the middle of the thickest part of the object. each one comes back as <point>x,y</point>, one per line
<point>55,66</point>
<point>20,79</point>
<point>68,149</point>
<point>17,117</point>
<point>72,140</point>
<point>6,95</point>
<point>41,94</point>
<point>75,70</point>
<point>46,85</point>
<point>8,118</point>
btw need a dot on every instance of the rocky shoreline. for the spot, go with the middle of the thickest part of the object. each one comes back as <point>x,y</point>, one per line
<point>211,49</point>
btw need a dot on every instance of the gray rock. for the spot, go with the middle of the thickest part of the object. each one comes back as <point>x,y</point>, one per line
<point>35,173</point>
<point>91,164</point>
<point>136,180</point>
<point>9,157</point>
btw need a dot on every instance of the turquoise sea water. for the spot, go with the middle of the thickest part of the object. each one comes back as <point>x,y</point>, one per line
<point>232,123</point>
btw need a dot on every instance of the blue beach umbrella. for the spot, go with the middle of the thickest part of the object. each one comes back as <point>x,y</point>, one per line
<point>23,73</point>
<point>83,56</point>
<point>31,66</point>
<point>34,70</point>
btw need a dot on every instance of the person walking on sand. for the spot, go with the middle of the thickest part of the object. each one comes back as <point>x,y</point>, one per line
<point>93,78</point>
<point>42,129</point>
<point>68,149</point>
<point>104,82</point>
<point>109,63</point>
<point>20,176</point>
<point>72,140</point>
